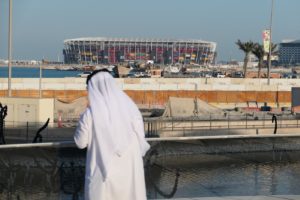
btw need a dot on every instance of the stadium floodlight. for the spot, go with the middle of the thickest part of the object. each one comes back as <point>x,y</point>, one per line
<point>270,45</point>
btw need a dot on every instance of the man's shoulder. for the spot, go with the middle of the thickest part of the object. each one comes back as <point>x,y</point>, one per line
<point>86,113</point>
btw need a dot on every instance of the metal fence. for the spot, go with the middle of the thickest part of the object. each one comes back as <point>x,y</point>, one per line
<point>156,126</point>
<point>27,132</point>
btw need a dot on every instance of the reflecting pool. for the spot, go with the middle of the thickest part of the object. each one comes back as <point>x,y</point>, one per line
<point>58,173</point>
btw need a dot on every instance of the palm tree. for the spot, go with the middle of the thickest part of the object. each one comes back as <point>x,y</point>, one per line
<point>259,52</point>
<point>247,48</point>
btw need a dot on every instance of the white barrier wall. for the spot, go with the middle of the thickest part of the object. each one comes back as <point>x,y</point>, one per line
<point>202,84</point>
<point>28,109</point>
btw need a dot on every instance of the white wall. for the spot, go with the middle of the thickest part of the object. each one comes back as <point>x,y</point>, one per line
<point>28,109</point>
<point>208,84</point>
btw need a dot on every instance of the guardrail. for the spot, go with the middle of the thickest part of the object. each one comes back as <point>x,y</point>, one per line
<point>25,131</point>
<point>71,143</point>
<point>155,126</point>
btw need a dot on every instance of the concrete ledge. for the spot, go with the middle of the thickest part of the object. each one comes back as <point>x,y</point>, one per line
<point>271,197</point>
<point>72,144</point>
<point>203,84</point>
<point>218,137</point>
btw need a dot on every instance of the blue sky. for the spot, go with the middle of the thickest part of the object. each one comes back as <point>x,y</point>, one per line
<point>40,26</point>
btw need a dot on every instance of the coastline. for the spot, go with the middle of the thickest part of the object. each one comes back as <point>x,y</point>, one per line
<point>44,66</point>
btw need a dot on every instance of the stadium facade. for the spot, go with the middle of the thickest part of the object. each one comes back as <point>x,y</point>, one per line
<point>115,50</point>
<point>289,52</point>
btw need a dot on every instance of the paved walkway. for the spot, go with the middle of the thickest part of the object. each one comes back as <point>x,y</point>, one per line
<point>273,197</point>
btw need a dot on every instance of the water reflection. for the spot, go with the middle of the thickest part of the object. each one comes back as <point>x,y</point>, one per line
<point>156,171</point>
<point>41,174</point>
<point>230,175</point>
<point>47,173</point>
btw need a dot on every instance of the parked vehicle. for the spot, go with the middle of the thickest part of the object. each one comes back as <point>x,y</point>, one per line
<point>138,74</point>
<point>218,74</point>
<point>84,74</point>
<point>289,75</point>
<point>237,75</point>
<point>207,75</point>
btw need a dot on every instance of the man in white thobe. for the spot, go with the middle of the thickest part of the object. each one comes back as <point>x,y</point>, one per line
<point>112,129</point>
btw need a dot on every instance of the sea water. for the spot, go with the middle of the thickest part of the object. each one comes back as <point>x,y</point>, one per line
<point>34,72</point>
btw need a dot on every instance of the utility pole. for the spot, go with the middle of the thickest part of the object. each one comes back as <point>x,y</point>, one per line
<point>270,45</point>
<point>9,47</point>
<point>40,81</point>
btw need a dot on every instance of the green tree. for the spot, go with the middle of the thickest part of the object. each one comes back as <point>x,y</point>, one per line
<point>259,53</point>
<point>247,48</point>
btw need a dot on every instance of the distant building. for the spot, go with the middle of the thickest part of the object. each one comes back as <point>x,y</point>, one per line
<point>49,62</point>
<point>289,52</point>
<point>115,50</point>
<point>20,62</point>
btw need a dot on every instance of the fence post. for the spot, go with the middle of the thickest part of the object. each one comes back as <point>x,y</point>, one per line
<point>264,120</point>
<point>246,120</point>
<point>156,128</point>
<point>27,125</point>
<point>210,121</point>
<point>228,120</point>
<point>3,113</point>
<point>148,129</point>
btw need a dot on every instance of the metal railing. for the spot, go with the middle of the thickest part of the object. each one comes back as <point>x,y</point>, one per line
<point>155,126</point>
<point>25,132</point>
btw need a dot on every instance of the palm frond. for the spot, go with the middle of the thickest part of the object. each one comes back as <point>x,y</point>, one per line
<point>258,51</point>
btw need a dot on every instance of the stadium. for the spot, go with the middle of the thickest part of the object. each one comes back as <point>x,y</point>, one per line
<point>100,50</point>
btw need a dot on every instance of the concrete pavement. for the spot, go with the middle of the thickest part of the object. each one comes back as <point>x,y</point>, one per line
<point>271,197</point>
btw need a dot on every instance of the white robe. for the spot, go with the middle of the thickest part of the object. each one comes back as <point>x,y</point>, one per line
<point>125,180</point>
<point>115,171</point>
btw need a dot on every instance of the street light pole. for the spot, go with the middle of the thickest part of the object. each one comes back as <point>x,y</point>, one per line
<point>40,81</point>
<point>270,45</point>
<point>9,47</point>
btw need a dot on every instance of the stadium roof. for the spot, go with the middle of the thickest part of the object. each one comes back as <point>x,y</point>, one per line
<point>98,39</point>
